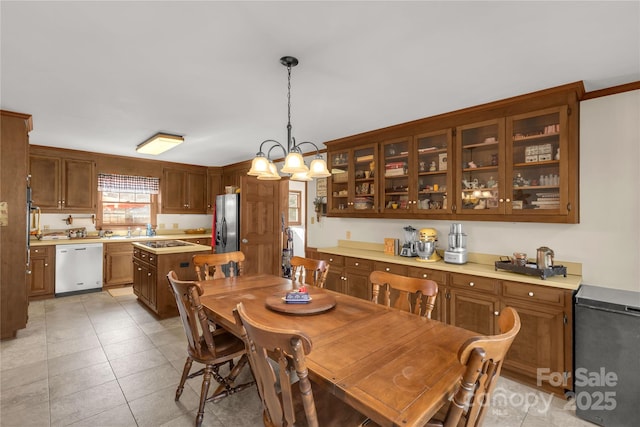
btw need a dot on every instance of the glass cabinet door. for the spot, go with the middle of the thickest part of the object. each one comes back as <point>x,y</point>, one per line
<point>338,194</point>
<point>481,179</point>
<point>363,196</point>
<point>434,180</point>
<point>537,178</point>
<point>396,176</point>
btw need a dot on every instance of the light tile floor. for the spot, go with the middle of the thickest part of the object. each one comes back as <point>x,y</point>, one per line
<point>98,360</point>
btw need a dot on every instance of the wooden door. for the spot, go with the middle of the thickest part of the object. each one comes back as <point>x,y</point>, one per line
<point>261,224</point>
<point>45,182</point>
<point>78,185</point>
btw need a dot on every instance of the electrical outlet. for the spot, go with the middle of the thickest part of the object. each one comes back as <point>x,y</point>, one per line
<point>175,225</point>
<point>313,220</point>
<point>348,235</point>
<point>161,226</point>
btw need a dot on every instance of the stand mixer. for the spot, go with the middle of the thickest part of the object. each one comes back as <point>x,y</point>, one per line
<point>426,246</point>
<point>457,252</point>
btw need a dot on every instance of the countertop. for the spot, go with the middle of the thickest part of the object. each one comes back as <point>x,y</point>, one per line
<point>117,239</point>
<point>191,247</point>
<point>479,265</point>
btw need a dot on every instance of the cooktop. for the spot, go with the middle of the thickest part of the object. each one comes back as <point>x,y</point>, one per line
<point>166,243</point>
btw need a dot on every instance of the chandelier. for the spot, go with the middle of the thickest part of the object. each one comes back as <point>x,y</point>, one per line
<point>263,167</point>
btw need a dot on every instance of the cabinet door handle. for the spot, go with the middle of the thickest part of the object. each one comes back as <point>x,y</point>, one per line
<point>471,284</point>
<point>357,264</point>
<point>148,274</point>
<point>530,294</point>
<point>425,275</point>
<point>508,200</point>
<point>150,258</point>
<point>501,200</point>
<point>496,313</point>
<point>46,265</point>
<point>139,269</point>
<point>387,269</point>
<point>330,259</point>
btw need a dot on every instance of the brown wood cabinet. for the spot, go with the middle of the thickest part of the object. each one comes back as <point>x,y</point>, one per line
<point>334,280</point>
<point>43,272</point>
<point>510,160</point>
<point>118,264</point>
<point>214,187</point>
<point>14,146</point>
<point>441,278</point>
<point>150,281</point>
<point>206,241</point>
<point>184,191</point>
<point>63,184</point>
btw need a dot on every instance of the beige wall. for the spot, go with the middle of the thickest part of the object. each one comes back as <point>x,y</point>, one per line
<point>607,239</point>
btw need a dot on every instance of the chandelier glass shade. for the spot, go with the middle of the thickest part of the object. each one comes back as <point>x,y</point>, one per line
<point>263,167</point>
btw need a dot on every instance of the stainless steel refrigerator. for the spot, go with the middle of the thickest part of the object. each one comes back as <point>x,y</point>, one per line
<point>227,223</point>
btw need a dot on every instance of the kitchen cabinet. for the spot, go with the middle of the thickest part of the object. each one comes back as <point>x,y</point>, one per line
<point>145,277</point>
<point>14,146</point>
<point>118,266</point>
<point>206,241</point>
<point>473,303</point>
<point>149,277</point>
<point>510,160</point>
<point>353,184</point>
<point>43,268</point>
<point>214,187</point>
<point>545,338</point>
<point>61,184</point>
<point>441,278</point>
<point>183,191</point>
<point>348,275</point>
<point>334,280</point>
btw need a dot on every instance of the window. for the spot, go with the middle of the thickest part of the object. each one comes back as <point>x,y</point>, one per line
<point>127,200</point>
<point>295,207</point>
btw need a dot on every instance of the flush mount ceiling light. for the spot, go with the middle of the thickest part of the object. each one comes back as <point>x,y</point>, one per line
<point>263,167</point>
<point>159,143</point>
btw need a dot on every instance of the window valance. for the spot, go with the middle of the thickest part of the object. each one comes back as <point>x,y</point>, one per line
<point>128,183</point>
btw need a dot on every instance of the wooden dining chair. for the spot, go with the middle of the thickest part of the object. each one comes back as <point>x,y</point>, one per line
<point>215,266</point>
<point>284,403</point>
<point>412,294</point>
<point>212,350</point>
<point>309,271</point>
<point>483,357</point>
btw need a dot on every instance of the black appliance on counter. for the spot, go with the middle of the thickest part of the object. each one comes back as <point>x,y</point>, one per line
<point>607,356</point>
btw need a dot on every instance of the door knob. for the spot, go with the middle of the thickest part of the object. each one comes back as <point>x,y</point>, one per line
<point>245,241</point>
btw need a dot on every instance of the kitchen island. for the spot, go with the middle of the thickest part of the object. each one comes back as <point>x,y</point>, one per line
<point>152,260</point>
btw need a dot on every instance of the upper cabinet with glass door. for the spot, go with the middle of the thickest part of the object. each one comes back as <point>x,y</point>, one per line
<point>397,176</point>
<point>481,175</point>
<point>353,180</point>
<point>537,179</point>
<point>433,150</point>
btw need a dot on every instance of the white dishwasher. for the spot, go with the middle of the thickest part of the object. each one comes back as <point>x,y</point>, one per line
<point>78,268</point>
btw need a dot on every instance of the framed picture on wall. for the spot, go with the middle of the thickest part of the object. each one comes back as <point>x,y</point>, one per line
<point>321,187</point>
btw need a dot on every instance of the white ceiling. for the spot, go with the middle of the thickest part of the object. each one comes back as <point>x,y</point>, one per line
<point>104,76</point>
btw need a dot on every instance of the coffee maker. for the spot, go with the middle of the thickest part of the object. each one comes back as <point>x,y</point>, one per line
<point>409,245</point>
<point>457,251</point>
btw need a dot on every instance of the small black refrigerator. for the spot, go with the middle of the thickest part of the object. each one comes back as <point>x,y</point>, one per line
<point>607,356</point>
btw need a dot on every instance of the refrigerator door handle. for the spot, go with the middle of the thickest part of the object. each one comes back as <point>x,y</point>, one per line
<point>224,232</point>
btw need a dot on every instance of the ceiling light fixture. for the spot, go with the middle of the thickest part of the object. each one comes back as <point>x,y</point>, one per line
<point>159,143</point>
<point>263,167</point>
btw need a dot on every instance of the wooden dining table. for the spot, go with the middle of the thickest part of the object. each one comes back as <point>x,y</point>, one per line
<point>395,367</point>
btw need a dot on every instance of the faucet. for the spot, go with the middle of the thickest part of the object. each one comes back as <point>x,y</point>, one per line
<point>128,231</point>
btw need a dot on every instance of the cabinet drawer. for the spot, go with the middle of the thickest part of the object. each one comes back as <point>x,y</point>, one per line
<point>465,281</point>
<point>333,260</point>
<point>533,293</point>
<point>425,273</point>
<point>390,267</point>
<point>148,257</point>
<point>358,263</point>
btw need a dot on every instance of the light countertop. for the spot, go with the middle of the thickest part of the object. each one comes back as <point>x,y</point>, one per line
<point>479,265</point>
<point>191,247</point>
<point>116,239</point>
